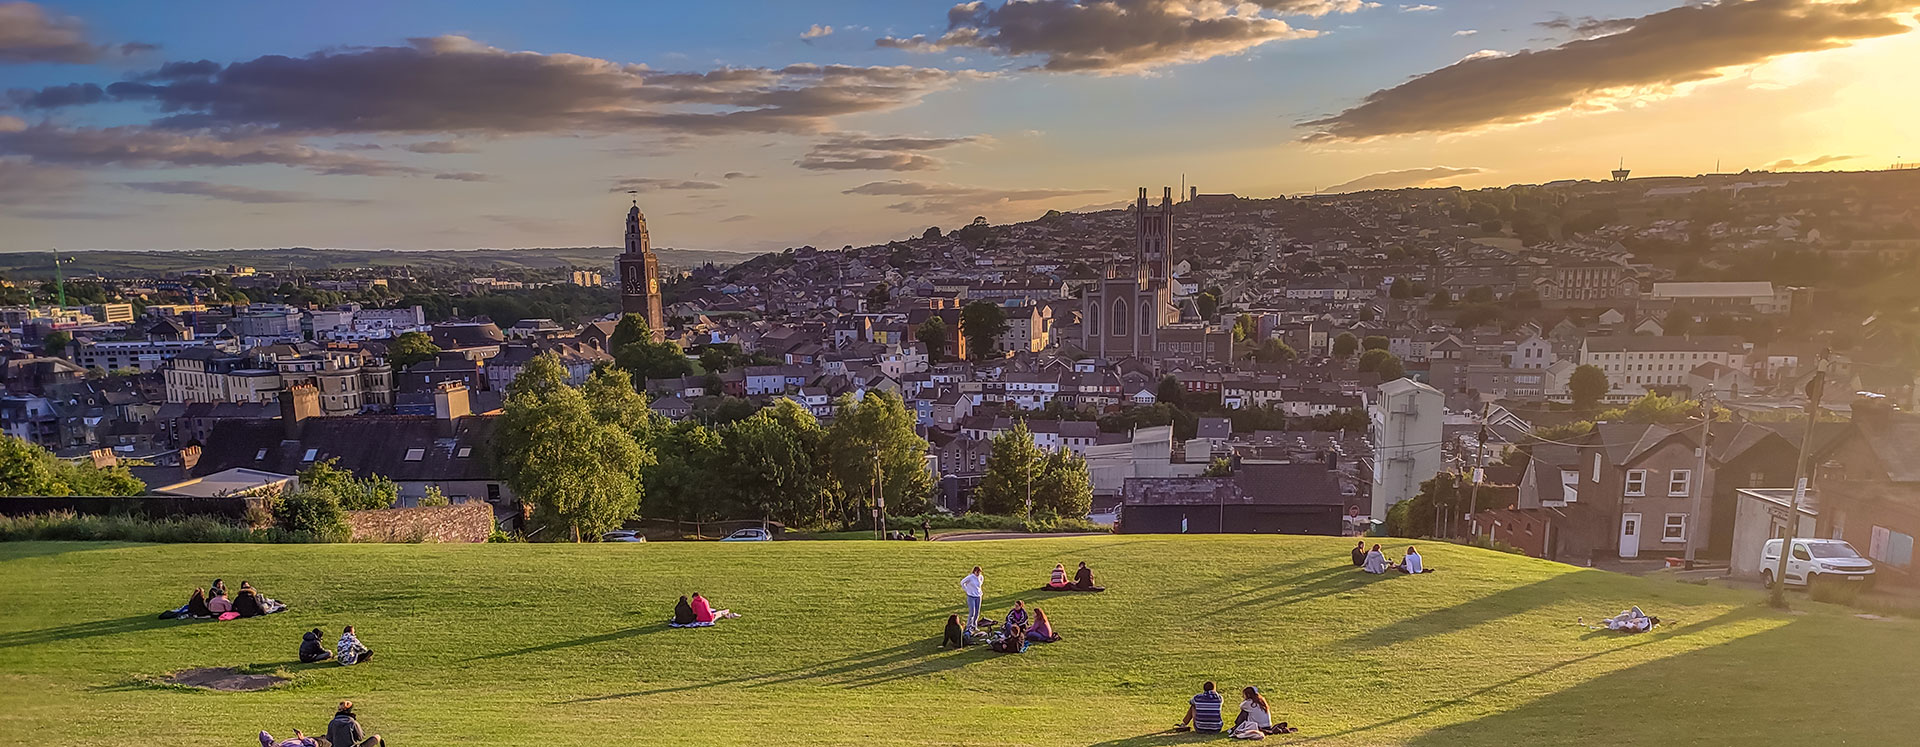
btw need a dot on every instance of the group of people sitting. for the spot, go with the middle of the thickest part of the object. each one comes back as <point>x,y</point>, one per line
<point>213,604</point>
<point>1082,579</point>
<point>343,731</point>
<point>348,651</point>
<point>1372,561</point>
<point>697,613</point>
<point>1011,636</point>
<point>1254,722</point>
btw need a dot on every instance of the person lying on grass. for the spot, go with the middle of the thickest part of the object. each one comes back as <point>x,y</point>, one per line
<point>705,613</point>
<point>350,651</point>
<point>1042,630</point>
<point>297,740</point>
<point>1630,621</point>
<point>1203,711</point>
<point>310,648</point>
<point>1083,579</point>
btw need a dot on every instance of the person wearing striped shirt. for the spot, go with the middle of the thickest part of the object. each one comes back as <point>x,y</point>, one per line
<point>1203,711</point>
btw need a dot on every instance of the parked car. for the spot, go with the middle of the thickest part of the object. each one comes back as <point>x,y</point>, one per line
<point>749,535</point>
<point>1816,559</point>
<point>623,535</point>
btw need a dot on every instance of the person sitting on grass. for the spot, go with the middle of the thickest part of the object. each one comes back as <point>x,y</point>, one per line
<point>350,651</point>
<point>955,636</point>
<point>683,615</point>
<point>217,602</point>
<point>1375,562</point>
<point>197,605</point>
<point>1411,562</point>
<point>1360,554</point>
<point>1256,718</point>
<point>219,588</point>
<point>1203,712</point>
<point>1059,580</point>
<point>297,740</point>
<point>1016,617</point>
<point>1013,640</point>
<point>1083,579</point>
<point>310,648</point>
<point>705,613</point>
<point>1042,630</point>
<point>344,730</point>
<point>249,603</point>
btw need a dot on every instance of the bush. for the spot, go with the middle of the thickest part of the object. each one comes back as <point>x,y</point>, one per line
<point>66,526</point>
<point>1835,591</point>
<point>312,512</point>
<point>993,522</point>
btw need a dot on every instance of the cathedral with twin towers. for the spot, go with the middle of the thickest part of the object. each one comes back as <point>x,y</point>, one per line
<point>1124,314</point>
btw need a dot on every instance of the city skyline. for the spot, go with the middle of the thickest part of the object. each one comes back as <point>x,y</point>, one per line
<point>752,127</point>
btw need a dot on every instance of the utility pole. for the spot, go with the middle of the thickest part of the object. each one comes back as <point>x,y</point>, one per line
<point>1479,465</point>
<point>1699,484</point>
<point>1030,455</point>
<point>1815,387</point>
<point>879,501</point>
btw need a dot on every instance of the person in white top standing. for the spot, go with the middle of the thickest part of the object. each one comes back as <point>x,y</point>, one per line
<point>971,584</point>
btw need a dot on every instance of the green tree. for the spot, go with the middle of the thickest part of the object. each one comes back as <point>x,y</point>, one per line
<point>315,512</point>
<point>1391,368</point>
<point>1586,386</point>
<point>1441,299</point>
<point>1011,466</point>
<point>1371,360</point>
<point>28,469</point>
<point>647,360</point>
<point>776,464</point>
<point>610,395</point>
<point>1063,488</point>
<point>1654,408</point>
<point>689,481</point>
<point>877,432</point>
<point>409,348</point>
<point>1374,342</point>
<point>350,492</point>
<point>877,297</point>
<point>1273,352</point>
<point>1403,289</point>
<point>1219,467</point>
<point>55,343</point>
<point>1245,328</point>
<point>1344,344</point>
<point>1208,303</point>
<point>581,475</point>
<point>1170,391</point>
<point>1417,516</point>
<point>631,328</point>
<point>933,334</point>
<point>983,322</point>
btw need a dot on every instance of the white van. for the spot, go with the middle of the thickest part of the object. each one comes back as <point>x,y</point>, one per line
<point>1814,559</point>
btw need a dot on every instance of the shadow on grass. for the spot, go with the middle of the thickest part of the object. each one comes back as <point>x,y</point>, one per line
<point>92,629</point>
<point>860,670</point>
<point>1163,737</point>
<point>586,641</point>
<point>1738,613</point>
<point>1752,689</point>
<point>1468,613</point>
<point>1308,586</point>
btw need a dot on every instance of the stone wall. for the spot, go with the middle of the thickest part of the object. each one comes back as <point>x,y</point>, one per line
<point>465,522</point>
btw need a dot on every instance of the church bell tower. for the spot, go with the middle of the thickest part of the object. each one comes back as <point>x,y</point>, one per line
<point>639,272</point>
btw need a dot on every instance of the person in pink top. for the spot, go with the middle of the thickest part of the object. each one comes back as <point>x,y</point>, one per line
<point>704,612</point>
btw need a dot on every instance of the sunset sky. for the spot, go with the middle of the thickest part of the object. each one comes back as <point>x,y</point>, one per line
<point>753,126</point>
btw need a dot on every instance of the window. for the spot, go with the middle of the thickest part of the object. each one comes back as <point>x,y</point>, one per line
<point>1570,485</point>
<point>1675,529</point>
<point>1679,482</point>
<point>311,453</point>
<point>259,455</point>
<point>465,451</point>
<point>1636,482</point>
<point>1891,547</point>
<point>1596,467</point>
<point>415,455</point>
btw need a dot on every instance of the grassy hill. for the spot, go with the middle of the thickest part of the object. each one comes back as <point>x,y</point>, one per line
<point>564,645</point>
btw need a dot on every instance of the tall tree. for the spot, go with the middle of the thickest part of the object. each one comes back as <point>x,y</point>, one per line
<point>632,328</point>
<point>933,334</point>
<point>647,360</point>
<point>1170,391</point>
<point>581,475</point>
<point>1586,386</point>
<point>1014,462</point>
<point>1245,328</point>
<point>873,433</point>
<point>983,322</point>
<point>1391,368</point>
<point>1273,352</point>
<point>777,466</point>
<point>352,493</point>
<point>1208,303</point>
<point>1374,342</point>
<point>409,348</point>
<point>877,298</point>
<point>1344,344</point>
<point>55,343</point>
<point>688,483</point>
<point>1064,487</point>
<point>1371,360</point>
<point>610,394</point>
<point>28,469</point>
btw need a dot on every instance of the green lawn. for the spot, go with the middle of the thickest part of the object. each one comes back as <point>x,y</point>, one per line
<point>564,645</point>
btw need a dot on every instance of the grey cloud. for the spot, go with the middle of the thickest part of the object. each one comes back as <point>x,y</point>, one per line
<point>1402,178</point>
<point>439,146</point>
<point>1786,164</point>
<point>136,146</point>
<point>72,94</point>
<point>738,175</point>
<point>736,218</point>
<point>853,151</point>
<point>451,84</point>
<point>22,181</point>
<point>461,176</point>
<point>1118,36</point>
<point>28,34</point>
<point>1684,44</point>
<point>931,197</point>
<point>650,184</point>
<point>1587,26</point>
<point>232,193</point>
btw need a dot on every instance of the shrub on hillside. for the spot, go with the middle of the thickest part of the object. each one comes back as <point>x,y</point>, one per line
<point>66,526</point>
<point>314,512</point>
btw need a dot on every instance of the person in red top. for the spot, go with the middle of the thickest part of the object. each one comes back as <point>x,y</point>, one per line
<point>704,612</point>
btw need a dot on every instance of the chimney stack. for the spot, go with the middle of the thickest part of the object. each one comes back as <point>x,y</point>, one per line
<point>297,403</point>
<point>450,401</point>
